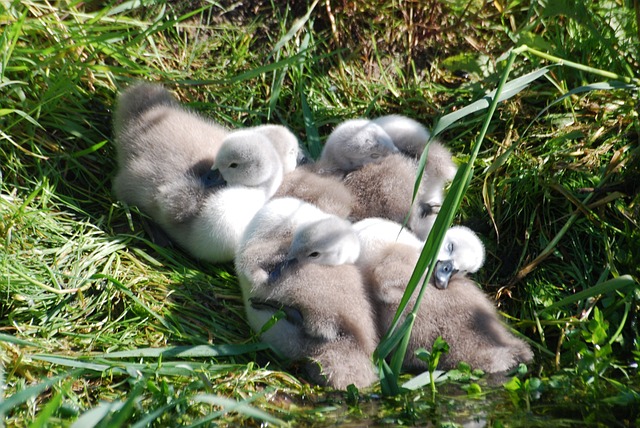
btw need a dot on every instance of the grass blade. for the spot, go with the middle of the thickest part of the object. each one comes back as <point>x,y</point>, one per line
<point>510,89</point>
<point>230,405</point>
<point>45,414</point>
<point>198,351</point>
<point>605,287</point>
<point>94,416</point>
<point>34,390</point>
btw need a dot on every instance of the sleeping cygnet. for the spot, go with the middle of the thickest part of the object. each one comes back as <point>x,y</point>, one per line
<point>165,156</point>
<point>352,144</point>
<point>407,134</point>
<point>310,276</point>
<point>462,314</point>
<point>385,189</point>
<point>263,245</point>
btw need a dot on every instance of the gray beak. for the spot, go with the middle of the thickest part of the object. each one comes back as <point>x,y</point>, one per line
<point>280,268</point>
<point>302,159</point>
<point>213,178</point>
<point>444,270</point>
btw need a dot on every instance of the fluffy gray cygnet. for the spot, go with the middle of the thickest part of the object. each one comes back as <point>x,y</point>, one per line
<point>165,154</point>
<point>462,314</point>
<point>305,267</point>
<point>385,189</point>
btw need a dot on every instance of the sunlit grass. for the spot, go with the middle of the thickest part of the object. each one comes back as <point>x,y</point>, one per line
<point>81,278</point>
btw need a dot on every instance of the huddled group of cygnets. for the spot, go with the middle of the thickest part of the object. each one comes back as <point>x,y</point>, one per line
<point>322,242</point>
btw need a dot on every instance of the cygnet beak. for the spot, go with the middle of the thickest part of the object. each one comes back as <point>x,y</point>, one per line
<point>302,159</point>
<point>444,270</point>
<point>428,209</point>
<point>280,268</point>
<point>213,178</point>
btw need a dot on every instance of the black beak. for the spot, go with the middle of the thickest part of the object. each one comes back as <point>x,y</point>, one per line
<point>302,159</point>
<point>280,268</point>
<point>428,209</point>
<point>444,270</point>
<point>425,209</point>
<point>213,178</point>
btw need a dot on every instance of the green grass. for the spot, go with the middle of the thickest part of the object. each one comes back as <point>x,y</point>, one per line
<point>80,277</point>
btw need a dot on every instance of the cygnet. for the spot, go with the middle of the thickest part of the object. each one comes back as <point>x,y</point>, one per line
<point>264,244</point>
<point>165,154</point>
<point>461,314</point>
<point>461,252</point>
<point>351,145</point>
<point>308,272</point>
<point>385,189</point>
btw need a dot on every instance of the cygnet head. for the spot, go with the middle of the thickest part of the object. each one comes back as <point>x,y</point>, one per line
<point>330,241</point>
<point>461,251</point>
<point>247,158</point>
<point>408,135</point>
<point>355,143</point>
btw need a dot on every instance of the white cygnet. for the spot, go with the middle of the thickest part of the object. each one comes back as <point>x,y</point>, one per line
<point>461,251</point>
<point>285,143</point>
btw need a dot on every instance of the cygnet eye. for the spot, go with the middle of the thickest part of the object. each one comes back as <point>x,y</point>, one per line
<point>314,255</point>
<point>450,247</point>
<point>233,165</point>
<point>375,155</point>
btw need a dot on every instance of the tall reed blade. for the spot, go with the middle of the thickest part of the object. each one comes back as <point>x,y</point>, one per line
<point>427,260</point>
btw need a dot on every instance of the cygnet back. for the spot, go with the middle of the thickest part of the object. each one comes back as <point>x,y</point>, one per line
<point>327,192</point>
<point>383,189</point>
<point>376,234</point>
<point>336,322</point>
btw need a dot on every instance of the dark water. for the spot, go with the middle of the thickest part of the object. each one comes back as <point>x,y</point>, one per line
<point>556,401</point>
